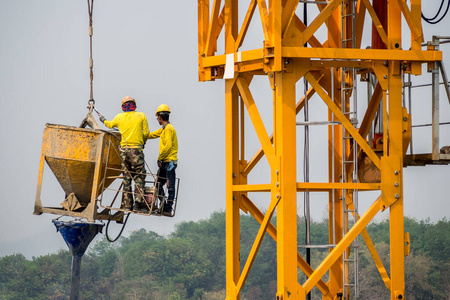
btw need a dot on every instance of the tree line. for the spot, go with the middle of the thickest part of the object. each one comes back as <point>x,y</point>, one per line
<point>190,264</point>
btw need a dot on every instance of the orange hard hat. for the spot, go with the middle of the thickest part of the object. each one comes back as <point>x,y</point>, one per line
<point>128,99</point>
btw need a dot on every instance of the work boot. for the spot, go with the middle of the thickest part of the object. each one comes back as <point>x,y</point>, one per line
<point>137,207</point>
<point>155,207</point>
<point>127,204</point>
<point>145,207</point>
<point>140,207</point>
<point>167,211</point>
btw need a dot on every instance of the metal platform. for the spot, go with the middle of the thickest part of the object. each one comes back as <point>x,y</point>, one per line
<point>425,159</point>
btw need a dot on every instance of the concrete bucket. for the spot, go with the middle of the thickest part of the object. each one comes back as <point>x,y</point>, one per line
<point>84,162</point>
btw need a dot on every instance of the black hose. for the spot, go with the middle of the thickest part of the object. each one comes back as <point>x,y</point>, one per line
<point>432,20</point>
<point>120,233</point>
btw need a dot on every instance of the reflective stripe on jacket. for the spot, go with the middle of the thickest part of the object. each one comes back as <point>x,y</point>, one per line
<point>133,127</point>
<point>168,142</point>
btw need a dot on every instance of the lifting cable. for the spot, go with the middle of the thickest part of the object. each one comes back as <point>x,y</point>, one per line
<point>433,19</point>
<point>91,62</point>
<point>91,104</point>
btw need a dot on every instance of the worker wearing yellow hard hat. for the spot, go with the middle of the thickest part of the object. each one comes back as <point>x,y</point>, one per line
<point>162,108</point>
<point>133,126</point>
<point>168,156</point>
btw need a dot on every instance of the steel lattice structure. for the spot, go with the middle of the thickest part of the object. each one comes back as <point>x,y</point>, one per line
<point>330,68</point>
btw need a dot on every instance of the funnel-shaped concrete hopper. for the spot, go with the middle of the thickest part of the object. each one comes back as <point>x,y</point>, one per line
<point>77,236</point>
<point>84,161</point>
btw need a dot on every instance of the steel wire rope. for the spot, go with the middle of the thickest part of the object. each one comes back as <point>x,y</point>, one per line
<point>432,20</point>
<point>91,61</point>
<point>306,194</point>
<point>91,102</point>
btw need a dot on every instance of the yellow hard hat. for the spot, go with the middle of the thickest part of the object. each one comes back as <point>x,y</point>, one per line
<point>128,99</point>
<point>162,107</point>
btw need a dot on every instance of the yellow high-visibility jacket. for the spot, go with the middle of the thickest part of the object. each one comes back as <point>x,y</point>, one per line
<point>133,127</point>
<point>168,142</point>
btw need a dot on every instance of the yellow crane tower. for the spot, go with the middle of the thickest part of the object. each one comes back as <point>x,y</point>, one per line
<point>292,51</point>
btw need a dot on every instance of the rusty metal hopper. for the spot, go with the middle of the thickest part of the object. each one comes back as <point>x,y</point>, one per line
<point>84,161</point>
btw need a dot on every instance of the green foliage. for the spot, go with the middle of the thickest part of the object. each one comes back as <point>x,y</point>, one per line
<point>106,255</point>
<point>208,235</point>
<point>190,264</point>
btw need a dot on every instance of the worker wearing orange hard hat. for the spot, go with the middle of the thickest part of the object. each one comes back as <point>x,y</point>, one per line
<point>168,156</point>
<point>133,126</point>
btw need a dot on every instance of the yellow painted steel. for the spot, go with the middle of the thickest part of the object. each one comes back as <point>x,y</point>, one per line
<point>259,237</point>
<point>323,186</point>
<point>272,231</point>
<point>341,246</point>
<point>344,120</point>
<point>246,23</point>
<point>376,259</point>
<point>264,17</point>
<point>319,20</point>
<point>232,159</point>
<point>334,53</point>
<point>284,60</point>
<point>285,175</point>
<point>211,43</point>
<point>256,119</point>
<point>376,21</point>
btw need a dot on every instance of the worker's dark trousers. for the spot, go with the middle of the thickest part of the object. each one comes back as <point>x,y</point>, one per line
<point>167,175</point>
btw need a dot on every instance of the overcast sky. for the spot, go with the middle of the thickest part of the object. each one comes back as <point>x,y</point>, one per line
<point>147,50</point>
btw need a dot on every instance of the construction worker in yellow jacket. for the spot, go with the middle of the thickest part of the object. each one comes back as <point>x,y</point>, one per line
<point>133,126</point>
<point>167,159</point>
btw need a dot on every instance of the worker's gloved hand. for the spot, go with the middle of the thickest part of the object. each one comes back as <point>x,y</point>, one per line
<point>102,118</point>
<point>159,163</point>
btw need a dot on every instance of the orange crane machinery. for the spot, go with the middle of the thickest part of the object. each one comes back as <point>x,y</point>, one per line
<point>292,51</point>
